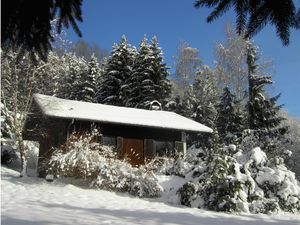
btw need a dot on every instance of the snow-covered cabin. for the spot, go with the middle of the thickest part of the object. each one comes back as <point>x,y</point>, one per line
<point>147,132</point>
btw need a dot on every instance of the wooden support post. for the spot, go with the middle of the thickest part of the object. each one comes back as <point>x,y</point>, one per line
<point>183,139</point>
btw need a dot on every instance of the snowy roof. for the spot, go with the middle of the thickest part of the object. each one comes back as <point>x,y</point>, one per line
<point>70,109</point>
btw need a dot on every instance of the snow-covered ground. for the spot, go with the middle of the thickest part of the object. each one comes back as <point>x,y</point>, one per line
<point>33,201</point>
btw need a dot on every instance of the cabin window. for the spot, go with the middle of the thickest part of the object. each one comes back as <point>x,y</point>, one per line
<point>109,140</point>
<point>165,148</point>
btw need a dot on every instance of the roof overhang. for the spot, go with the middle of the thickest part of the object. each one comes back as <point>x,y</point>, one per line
<point>69,109</point>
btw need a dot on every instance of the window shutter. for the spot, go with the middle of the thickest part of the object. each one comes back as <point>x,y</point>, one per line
<point>149,149</point>
<point>179,146</point>
<point>119,145</point>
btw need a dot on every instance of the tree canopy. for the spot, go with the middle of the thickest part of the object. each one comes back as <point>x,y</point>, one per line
<point>26,24</point>
<point>253,15</point>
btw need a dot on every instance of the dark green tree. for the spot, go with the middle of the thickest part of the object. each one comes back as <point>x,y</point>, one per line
<point>159,74</point>
<point>263,115</point>
<point>118,69</point>
<point>88,81</point>
<point>254,15</point>
<point>25,24</point>
<point>204,97</point>
<point>230,118</point>
<point>140,85</point>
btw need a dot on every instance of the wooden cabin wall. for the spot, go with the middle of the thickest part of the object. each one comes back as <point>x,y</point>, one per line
<point>54,135</point>
<point>57,130</point>
<point>126,131</point>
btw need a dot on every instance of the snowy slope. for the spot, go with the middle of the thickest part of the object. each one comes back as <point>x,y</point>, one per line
<point>33,201</point>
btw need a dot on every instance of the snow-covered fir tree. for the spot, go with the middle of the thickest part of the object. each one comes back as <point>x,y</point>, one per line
<point>244,180</point>
<point>181,105</point>
<point>158,74</point>
<point>263,115</point>
<point>101,71</point>
<point>204,97</point>
<point>200,105</point>
<point>68,85</point>
<point>88,81</point>
<point>140,85</point>
<point>118,69</point>
<point>6,121</point>
<point>230,118</point>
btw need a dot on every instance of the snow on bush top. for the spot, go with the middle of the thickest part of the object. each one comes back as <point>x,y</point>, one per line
<point>258,156</point>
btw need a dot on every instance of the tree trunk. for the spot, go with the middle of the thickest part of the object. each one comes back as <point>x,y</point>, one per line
<point>23,156</point>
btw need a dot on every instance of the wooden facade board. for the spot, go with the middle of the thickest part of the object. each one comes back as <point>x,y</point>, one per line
<point>133,151</point>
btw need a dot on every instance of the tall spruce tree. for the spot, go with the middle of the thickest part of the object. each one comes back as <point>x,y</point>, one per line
<point>68,85</point>
<point>204,97</point>
<point>140,84</point>
<point>202,101</point>
<point>88,81</point>
<point>159,73</point>
<point>230,119</point>
<point>263,115</point>
<point>118,69</point>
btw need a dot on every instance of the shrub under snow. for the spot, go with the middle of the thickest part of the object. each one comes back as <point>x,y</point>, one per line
<point>230,180</point>
<point>98,165</point>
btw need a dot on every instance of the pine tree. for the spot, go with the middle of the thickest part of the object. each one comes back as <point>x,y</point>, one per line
<point>7,121</point>
<point>68,84</point>
<point>263,115</point>
<point>204,97</point>
<point>230,120</point>
<point>140,84</point>
<point>102,67</point>
<point>30,30</point>
<point>118,69</point>
<point>181,105</point>
<point>202,101</point>
<point>88,83</point>
<point>159,73</point>
<point>253,15</point>
<point>149,81</point>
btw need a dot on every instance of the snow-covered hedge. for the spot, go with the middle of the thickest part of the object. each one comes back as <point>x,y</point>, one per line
<point>230,180</point>
<point>179,165</point>
<point>98,166</point>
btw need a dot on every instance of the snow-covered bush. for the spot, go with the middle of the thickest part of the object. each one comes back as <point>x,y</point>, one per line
<point>99,167</point>
<point>117,175</point>
<point>229,180</point>
<point>169,166</point>
<point>179,165</point>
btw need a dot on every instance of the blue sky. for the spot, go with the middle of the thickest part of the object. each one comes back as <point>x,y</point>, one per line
<point>172,21</point>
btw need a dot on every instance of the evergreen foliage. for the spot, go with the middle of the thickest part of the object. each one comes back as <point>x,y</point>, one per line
<point>262,112</point>
<point>253,15</point>
<point>148,81</point>
<point>88,81</point>
<point>69,84</point>
<point>7,122</point>
<point>118,69</point>
<point>159,73</point>
<point>205,97</point>
<point>230,118</point>
<point>229,179</point>
<point>181,105</point>
<point>30,30</point>
<point>140,83</point>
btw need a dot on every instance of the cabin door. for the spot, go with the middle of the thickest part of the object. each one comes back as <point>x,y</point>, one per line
<point>133,150</point>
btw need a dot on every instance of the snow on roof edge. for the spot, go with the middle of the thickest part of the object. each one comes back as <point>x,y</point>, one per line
<point>51,111</point>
